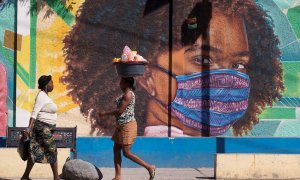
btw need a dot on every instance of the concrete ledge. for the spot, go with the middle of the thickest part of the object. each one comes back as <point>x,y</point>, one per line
<point>257,166</point>
<point>13,166</point>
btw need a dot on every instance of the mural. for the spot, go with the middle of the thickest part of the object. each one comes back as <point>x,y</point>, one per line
<point>3,99</point>
<point>7,56</point>
<point>44,25</point>
<point>225,68</point>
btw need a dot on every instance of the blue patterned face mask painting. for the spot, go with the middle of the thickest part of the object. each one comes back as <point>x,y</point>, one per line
<point>211,101</point>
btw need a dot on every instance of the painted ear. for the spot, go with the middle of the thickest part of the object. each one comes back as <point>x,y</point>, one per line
<point>147,82</point>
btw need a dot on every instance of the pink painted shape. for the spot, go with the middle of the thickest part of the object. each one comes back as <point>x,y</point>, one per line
<point>162,131</point>
<point>3,98</point>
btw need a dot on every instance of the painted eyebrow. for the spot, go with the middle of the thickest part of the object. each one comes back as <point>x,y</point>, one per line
<point>203,47</point>
<point>242,53</point>
<point>215,49</point>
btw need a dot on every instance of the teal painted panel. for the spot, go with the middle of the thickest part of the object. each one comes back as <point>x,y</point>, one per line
<point>288,128</point>
<point>265,128</point>
<point>8,22</point>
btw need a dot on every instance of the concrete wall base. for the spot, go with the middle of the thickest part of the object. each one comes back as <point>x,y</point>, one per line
<point>13,166</point>
<point>257,166</point>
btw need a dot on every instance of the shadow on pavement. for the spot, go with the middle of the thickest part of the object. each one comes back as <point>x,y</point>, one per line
<point>199,178</point>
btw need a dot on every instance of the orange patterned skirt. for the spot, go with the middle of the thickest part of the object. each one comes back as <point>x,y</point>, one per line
<point>125,134</point>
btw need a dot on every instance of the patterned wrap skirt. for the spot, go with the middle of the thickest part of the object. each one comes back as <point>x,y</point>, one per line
<point>125,134</point>
<point>42,143</point>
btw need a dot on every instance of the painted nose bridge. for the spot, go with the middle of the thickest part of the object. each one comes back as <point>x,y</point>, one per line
<point>224,63</point>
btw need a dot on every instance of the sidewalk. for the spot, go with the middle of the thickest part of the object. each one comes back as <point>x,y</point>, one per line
<point>161,174</point>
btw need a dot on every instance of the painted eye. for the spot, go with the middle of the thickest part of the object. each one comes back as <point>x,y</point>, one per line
<point>204,61</point>
<point>238,66</point>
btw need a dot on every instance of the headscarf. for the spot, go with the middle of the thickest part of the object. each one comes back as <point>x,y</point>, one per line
<point>43,81</point>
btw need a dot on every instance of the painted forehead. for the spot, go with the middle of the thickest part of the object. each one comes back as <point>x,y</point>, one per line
<point>197,22</point>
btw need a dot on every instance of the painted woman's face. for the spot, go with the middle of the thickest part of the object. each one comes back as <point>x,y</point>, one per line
<point>225,47</point>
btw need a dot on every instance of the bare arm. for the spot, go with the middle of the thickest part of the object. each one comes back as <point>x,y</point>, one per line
<point>125,102</point>
<point>31,123</point>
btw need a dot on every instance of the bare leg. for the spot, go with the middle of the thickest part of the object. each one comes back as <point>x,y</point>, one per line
<point>29,166</point>
<point>55,171</point>
<point>117,161</point>
<point>127,153</point>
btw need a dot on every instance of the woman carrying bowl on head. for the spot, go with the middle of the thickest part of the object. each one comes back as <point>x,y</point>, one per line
<point>126,128</point>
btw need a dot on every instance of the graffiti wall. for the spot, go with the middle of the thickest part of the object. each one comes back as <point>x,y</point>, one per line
<point>216,68</point>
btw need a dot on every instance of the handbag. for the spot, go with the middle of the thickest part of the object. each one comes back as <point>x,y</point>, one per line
<point>23,148</point>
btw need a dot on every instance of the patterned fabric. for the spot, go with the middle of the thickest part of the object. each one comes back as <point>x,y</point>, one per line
<point>211,101</point>
<point>42,144</point>
<point>128,114</point>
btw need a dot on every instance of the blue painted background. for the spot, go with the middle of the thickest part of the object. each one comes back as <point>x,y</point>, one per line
<point>183,152</point>
<point>163,152</point>
<point>180,152</point>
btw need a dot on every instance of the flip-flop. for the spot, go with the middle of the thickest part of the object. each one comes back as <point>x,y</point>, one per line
<point>152,174</point>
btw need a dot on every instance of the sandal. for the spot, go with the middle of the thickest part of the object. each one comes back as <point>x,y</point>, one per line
<point>152,174</point>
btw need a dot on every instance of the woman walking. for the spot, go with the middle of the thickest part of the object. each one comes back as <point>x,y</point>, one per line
<point>41,125</point>
<point>126,129</point>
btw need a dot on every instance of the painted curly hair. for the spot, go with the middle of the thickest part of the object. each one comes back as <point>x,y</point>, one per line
<point>103,28</point>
